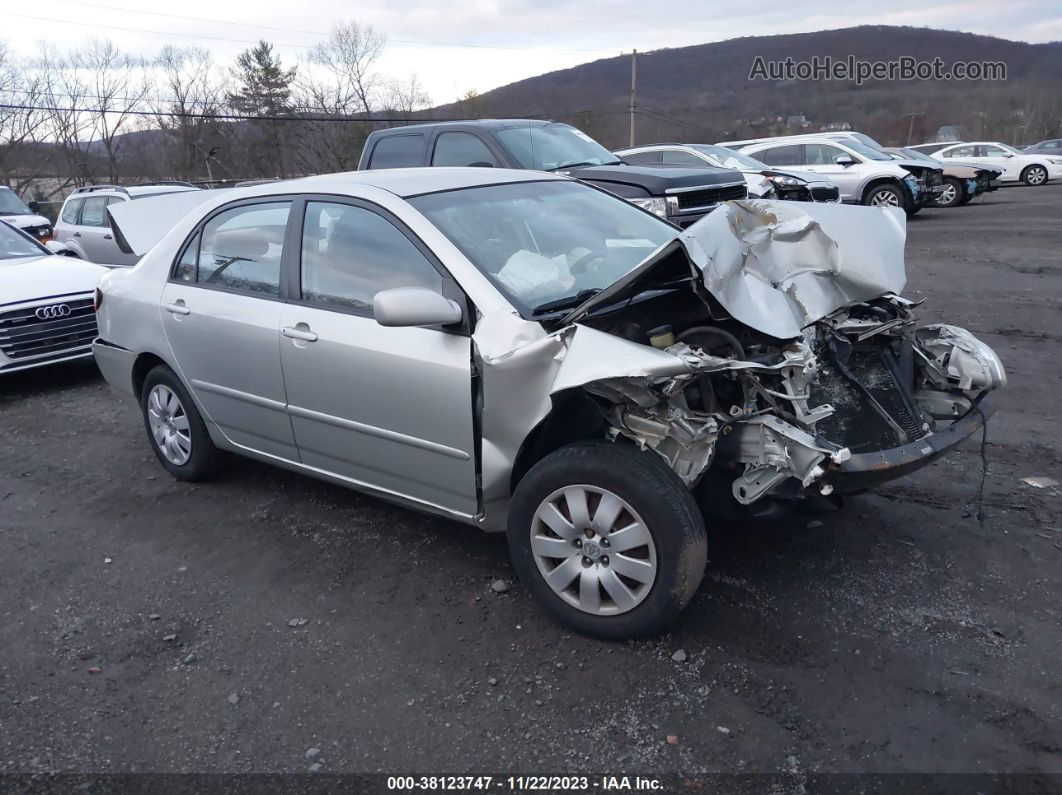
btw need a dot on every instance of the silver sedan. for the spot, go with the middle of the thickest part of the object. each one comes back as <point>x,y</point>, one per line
<point>533,355</point>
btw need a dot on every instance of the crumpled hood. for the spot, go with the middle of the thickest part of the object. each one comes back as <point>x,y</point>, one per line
<point>779,266</point>
<point>40,277</point>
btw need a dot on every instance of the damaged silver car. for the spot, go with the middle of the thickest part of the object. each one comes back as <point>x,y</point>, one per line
<point>532,355</point>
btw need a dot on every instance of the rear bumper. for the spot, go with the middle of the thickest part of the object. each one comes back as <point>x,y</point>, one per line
<point>866,470</point>
<point>116,364</point>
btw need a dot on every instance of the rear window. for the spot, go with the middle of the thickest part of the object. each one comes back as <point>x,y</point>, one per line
<point>398,151</point>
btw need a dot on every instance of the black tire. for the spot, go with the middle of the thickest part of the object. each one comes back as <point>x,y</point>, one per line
<point>204,459</point>
<point>966,198</point>
<point>878,190</point>
<point>958,196</point>
<point>1034,176</point>
<point>667,508</point>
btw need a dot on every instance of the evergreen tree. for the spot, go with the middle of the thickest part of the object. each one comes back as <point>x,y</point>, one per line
<point>264,89</point>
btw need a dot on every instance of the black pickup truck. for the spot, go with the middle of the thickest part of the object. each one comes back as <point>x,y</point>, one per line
<point>681,195</point>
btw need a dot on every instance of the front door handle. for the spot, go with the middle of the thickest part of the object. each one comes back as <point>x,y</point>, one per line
<point>177,309</point>
<point>296,333</point>
<point>108,237</point>
<point>77,234</point>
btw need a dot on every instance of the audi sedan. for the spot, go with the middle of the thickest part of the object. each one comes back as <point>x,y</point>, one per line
<point>46,312</point>
<point>532,355</point>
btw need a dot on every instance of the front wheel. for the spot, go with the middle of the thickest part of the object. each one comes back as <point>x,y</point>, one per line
<point>607,539</point>
<point>1034,175</point>
<point>176,431</point>
<point>952,195</point>
<point>884,196</point>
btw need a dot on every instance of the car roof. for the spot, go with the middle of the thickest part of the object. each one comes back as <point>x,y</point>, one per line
<point>407,182</point>
<point>488,123</point>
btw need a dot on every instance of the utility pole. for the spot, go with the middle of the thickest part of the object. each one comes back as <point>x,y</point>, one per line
<point>634,89</point>
<point>910,126</point>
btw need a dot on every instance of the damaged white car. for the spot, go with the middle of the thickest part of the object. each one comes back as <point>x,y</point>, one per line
<point>530,354</point>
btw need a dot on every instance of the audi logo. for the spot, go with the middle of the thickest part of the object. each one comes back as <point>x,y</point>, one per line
<point>52,312</point>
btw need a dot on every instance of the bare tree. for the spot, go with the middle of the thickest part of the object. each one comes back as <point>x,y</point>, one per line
<point>192,90</point>
<point>69,126</point>
<point>23,125</point>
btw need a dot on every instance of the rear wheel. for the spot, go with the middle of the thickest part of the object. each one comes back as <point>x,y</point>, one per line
<point>952,195</point>
<point>1034,175</point>
<point>176,431</point>
<point>607,539</point>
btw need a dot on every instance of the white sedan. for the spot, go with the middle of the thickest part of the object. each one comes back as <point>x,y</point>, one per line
<point>46,313</point>
<point>1017,166</point>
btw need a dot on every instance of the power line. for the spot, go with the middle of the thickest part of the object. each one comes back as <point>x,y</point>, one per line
<point>413,42</point>
<point>672,120</point>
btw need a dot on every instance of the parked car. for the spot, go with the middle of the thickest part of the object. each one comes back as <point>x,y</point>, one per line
<point>961,182</point>
<point>761,180</point>
<point>23,216</point>
<point>84,226</point>
<point>1052,146</point>
<point>1017,166</point>
<point>46,313</point>
<point>527,353</point>
<point>682,196</point>
<point>839,135</point>
<point>865,175</point>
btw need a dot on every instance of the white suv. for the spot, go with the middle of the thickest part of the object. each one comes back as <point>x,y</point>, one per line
<point>865,175</point>
<point>84,226</point>
<point>1016,165</point>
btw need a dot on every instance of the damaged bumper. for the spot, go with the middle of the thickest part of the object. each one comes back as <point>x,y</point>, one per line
<point>866,470</point>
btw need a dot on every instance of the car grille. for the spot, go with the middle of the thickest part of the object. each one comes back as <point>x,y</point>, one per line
<point>26,335</point>
<point>709,197</point>
<point>824,194</point>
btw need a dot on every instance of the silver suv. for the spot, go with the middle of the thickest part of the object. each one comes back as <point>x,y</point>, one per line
<point>84,226</point>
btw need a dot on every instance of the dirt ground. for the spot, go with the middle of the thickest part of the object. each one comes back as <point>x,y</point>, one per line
<point>147,625</point>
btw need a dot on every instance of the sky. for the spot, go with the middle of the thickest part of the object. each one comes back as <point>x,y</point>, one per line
<point>462,45</point>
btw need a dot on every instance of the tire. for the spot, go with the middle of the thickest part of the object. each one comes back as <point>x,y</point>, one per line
<point>190,454</point>
<point>654,575</point>
<point>953,195</point>
<point>885,195</point>
<point>1034,175</point>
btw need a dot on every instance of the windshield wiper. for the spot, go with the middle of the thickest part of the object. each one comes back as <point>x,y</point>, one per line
<point>566,302</point>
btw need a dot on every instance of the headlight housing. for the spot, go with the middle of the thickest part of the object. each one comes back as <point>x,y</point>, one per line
<point>657,205</point>
<point>785,180</point>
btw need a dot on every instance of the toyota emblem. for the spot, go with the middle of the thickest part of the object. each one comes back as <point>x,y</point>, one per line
<point>52,312</point>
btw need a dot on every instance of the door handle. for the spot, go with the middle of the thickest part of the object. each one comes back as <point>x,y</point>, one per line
<point>177,309</point>
<point>296,333</point>
<point>108,237</point>
<point>77,234</point>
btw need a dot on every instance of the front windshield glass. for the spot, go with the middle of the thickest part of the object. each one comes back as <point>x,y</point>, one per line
<point>11,204</point>
<point>866,140</point>
<point>1011,149</point>
<point>914,154</point>
<point>866,151</point>
<point>547,147</point>
<point>16,246</point>
<point>728,158</point>
<point>546,243</point>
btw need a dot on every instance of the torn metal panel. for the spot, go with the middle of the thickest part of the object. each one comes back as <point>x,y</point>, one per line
<point>777,267</point>
<point>956,358</point>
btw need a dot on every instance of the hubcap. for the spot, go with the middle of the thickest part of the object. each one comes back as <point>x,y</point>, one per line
<point>885,198</point>
<point>947,196</point>
<point>169,425</point>
<point>593,550</point>
<point>1036,175</point>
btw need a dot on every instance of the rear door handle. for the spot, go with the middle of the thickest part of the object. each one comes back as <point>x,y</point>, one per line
<point>303,334</point>
<point>177,309</point>
<point>77,234</point>
<point>108,237</point>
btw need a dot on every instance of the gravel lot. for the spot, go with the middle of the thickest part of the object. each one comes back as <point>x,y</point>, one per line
<point>150,625</point>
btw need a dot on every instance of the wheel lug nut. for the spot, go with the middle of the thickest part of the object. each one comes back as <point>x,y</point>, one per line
<point>604,560</point>
<point>578,542</point>
<point>586,561</point>
<point>604,542</point>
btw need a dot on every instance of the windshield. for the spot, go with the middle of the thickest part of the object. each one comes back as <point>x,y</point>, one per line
<point>914,154</point>
<point>547,147</point>
<point>546,243</point>
<point>14,245</point>
<point>866,140</point>
<point>11,204</point>
<point>866,151</point>
<point>728,158</point>
<point>1011,149</point>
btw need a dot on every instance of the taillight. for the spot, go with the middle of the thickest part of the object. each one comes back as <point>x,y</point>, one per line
<point>97,300</point>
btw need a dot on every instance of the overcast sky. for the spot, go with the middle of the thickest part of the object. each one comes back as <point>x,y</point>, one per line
<point>460,45</point>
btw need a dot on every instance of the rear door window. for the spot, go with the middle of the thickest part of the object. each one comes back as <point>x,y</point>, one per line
<point>462,149</point>
<point>398,151</point>
<point>94,211</point>
<point>780,155</point>
<point>70,211</point>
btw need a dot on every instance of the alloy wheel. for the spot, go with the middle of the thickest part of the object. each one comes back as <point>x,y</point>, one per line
<point>169,425</point>
<point>593,550</point>
<point>947,196</point>
<point>884,198</point>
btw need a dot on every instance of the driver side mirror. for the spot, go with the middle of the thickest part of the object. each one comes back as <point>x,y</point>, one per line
<point>844,160</point>
<point>414,306</point>
<point>56,247</point>
<point>1008,154</point>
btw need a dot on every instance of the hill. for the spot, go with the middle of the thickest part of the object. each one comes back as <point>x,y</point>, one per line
<point>707,88</point>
